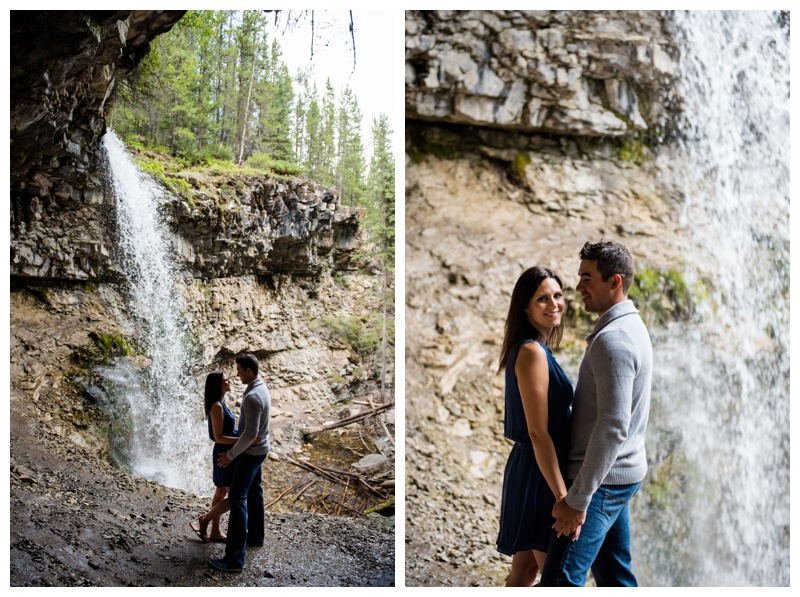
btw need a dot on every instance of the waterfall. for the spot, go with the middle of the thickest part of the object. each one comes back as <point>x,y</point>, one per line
<point>717,505</point>
<point>169,442</point>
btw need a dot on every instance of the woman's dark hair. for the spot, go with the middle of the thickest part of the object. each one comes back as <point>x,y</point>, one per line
<point>213,389</point>
<point>518,328</point>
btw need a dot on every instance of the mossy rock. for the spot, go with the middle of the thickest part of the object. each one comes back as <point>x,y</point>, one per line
<point>437,142</point>
<point>663,295</point>
<point>106,347</point>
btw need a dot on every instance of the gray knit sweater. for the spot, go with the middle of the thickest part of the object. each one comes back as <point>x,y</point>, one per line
<point>611,405</point>
<point>253,421</point>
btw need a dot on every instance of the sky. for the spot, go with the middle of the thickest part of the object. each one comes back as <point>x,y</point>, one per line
<point>377,76</point>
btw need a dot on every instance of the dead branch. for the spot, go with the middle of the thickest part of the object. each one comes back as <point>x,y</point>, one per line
<point>353,36</point>
<point>279,497</point>
<point>371,488</point>
<point>383,423</point>
<point>316,470</point>
<point>338,472</point>
<point>344,495</point>
<point>351,510</point>
<point>348,420</point>
<point>302,491</point>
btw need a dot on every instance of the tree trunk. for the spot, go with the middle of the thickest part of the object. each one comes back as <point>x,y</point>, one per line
<point>247,111</point>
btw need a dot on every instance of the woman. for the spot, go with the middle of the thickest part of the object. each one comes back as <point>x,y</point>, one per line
<point>222,431</point>
<point>537,419</point>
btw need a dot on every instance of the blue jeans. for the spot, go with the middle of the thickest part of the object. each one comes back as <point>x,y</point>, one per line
<point>245,496</point>
<point>604,544</point>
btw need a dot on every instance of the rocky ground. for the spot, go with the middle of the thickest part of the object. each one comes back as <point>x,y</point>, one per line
<point>77,521</point>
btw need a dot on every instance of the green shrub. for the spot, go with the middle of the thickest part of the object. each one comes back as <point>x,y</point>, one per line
<point>264,162</point>
<point>359,334</point>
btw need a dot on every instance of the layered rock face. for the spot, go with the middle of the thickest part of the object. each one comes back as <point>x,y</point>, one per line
<point>63,71</point>
<point>262,226</point>
<point>254,255</point>
<point>523,142</point>
<point>63,223</point>
<point>563,72</point>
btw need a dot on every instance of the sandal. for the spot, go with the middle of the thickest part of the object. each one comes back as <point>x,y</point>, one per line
<point>196,528</point>
<point>220,539</point>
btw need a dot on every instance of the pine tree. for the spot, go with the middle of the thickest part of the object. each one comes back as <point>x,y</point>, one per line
<point>379,198</point>
<point>380,223</point>
<point>327,137</point>
<point>313,119</point>
<point>350,171</point>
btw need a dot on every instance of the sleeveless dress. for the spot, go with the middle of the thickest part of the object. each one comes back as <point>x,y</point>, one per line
<point>222,476</point>
<point>527,504</point>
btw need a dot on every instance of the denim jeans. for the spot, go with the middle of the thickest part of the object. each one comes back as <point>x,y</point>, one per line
<point>246,498</point>
<point>604,544</point>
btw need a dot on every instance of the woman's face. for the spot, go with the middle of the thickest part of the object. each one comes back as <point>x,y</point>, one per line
<point>226,385</point>
<point>546,307</point>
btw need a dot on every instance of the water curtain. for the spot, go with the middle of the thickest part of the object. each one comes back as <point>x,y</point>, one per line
<point>716,509</point>
<point>169,444</point>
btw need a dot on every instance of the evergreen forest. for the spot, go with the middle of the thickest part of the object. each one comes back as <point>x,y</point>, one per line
<point>216,91</point>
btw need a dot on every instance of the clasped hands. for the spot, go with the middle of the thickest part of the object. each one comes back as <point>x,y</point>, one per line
<point>568,519</point>
<point>223,460</point>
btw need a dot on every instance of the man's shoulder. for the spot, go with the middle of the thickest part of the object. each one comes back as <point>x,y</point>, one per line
<point>257,390</point>
<point>627,339</point>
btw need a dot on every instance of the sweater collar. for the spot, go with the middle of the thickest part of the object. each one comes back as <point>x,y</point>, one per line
<point>256,382</point>
<point>619,310</point>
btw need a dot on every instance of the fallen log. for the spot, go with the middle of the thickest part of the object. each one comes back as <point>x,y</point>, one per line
<point>314,469</point>
<point>348,420</point>
<point>383,423</point>
<point>325,474</point>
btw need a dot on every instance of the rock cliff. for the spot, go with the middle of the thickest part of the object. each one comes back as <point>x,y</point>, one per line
<point>528,133</point>
<point>563,72</point>
<point>265,264</point>
<point>63,72</point>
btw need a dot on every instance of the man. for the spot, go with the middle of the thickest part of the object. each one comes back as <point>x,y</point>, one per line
<point>607,460</point>
<point>245,496</point>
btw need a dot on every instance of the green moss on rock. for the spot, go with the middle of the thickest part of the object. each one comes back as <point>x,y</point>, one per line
<point>663,295</point>
<point>106,347</point>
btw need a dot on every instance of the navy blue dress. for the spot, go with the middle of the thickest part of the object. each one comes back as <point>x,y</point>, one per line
<point>527,505</point>
<point>222,476</point>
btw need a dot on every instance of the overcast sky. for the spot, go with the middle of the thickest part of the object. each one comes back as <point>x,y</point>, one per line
<point>376,79</point>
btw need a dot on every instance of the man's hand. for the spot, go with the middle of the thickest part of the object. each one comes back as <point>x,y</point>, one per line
<point>568,519</point>
<point>223,459</point>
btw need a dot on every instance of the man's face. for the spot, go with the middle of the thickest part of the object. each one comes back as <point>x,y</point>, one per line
<point>595,292</point>
<point>244,375</point>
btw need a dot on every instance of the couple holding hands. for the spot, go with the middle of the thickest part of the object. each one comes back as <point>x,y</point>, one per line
<point>578,457</point>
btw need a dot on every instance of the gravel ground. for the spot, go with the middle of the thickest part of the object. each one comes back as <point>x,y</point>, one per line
<point>77,521</point>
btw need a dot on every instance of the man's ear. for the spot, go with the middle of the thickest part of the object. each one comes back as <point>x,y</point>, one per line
<point>616,281</point>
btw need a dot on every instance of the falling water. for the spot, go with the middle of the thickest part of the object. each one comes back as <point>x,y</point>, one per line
<point>168,443</point>
<point>716,510</point>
